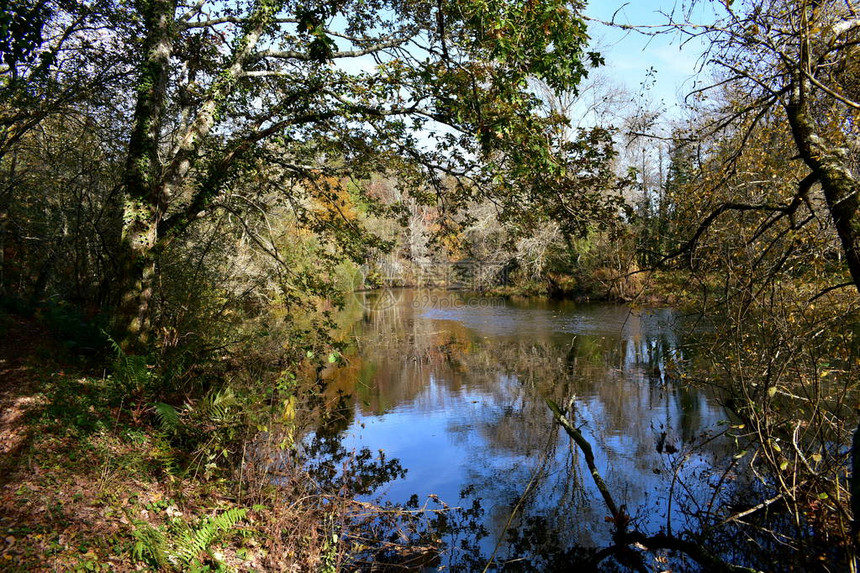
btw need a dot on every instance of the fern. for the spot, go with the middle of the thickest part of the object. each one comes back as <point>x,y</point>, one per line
<point>168,417</point>
<point>216,406</point>
<point>164,454</point>
<point>117,349</point>
<point>182,550</point>
<point>150,545</point>
<point>133,371</point>
<point>191,543</point>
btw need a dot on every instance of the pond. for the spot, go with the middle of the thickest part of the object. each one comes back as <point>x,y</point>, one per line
<point>456,388</point>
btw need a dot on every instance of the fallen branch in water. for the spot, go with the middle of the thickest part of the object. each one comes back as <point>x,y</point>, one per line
<point>626,540</point>
<point>585,447</point>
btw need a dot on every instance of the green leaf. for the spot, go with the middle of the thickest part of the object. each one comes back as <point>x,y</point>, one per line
<point>168,417</point>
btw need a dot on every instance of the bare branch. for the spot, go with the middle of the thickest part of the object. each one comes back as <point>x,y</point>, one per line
<point>191,12</point>
<point>185,25</point>
<point>830,92</point>
<point>294,55</point>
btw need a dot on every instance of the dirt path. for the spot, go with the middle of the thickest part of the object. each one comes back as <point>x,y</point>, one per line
<point>50,515</point>
<point>20,345</point>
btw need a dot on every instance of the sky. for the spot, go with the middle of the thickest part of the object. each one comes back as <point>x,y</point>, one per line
<point>629,54</point>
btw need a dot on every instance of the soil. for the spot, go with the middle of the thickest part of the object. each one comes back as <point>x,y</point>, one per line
<point>21,341</point>
<point>48,512</point>
<point>79,475</point>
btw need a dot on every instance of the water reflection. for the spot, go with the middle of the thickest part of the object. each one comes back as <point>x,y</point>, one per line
<point>456,387</point>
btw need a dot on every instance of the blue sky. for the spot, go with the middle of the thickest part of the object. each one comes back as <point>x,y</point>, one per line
<point>629,54</point>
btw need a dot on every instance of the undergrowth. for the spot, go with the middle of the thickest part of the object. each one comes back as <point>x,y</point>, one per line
<point>119,471</point>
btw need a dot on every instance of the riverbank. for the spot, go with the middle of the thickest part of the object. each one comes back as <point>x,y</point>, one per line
<point>83,472</point>
<point>651,288</point>
<point>97,476</point>
<point>118,464</point>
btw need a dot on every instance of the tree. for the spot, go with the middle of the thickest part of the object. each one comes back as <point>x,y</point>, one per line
<point>796,61</point>
<point>54,56</point>
<point>219,87</point>
<point>782,148</point>
<point>60,65</point>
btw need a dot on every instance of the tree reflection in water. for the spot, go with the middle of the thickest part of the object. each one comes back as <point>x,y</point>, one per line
<point>456,391</point>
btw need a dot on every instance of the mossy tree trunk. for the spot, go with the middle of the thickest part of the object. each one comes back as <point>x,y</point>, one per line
<point>826,155</point>
<point>145,200</point>
<point>826,158</point>
<point>801,57</point>
<point>153,173</point>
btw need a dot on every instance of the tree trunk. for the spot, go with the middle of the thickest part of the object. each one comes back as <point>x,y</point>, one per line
<point>149,181</point>
<point>145,201</point>
<point>137,273</point>
<point>840,187</point>
<point>826,159</point>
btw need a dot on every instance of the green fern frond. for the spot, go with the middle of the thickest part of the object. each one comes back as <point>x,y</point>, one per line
<point>168,416</point>
<point>150,545</point>
<point>217,407</point>
<point>192,543</point>
<point>117,349</point>
<point>185,544</point>
<point>168,460</point>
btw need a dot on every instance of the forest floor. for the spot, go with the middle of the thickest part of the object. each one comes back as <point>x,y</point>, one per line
<point>80,468</point>
<point>56,511</point>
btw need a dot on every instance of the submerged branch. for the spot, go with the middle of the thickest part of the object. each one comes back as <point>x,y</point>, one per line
<point>583,444</point>
<point>627,539</point>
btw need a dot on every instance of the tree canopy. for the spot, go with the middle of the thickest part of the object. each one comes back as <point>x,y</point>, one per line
<point>199,98</point>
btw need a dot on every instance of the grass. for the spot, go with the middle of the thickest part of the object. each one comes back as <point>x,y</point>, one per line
<point>88,476</point>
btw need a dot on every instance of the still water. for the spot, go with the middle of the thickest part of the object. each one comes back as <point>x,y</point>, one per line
<point>456,388</point>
